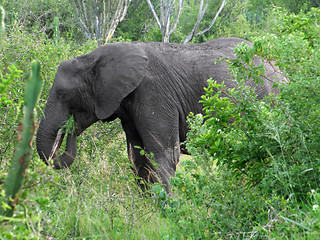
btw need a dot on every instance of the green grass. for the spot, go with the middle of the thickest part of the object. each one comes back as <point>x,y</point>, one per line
<point>99,198</point>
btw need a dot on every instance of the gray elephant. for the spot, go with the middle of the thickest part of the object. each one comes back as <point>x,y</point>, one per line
<point>151,87</point>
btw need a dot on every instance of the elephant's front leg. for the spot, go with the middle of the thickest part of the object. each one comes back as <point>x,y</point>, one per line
<point>140,162</point>
<point>162,146</point>
<point>157,163</point>
<point>165,162</point>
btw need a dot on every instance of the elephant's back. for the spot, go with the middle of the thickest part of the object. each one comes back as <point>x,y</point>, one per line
<point>208,57</point>
<point>204,57</point>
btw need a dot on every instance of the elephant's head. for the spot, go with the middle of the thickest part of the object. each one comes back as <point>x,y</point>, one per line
<point>90,88</point>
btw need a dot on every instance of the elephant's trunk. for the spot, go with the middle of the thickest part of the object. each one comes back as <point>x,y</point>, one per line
<point>48,142</point>
<point>67,158</point>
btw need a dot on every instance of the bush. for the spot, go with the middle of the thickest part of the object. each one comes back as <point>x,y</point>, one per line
<point>40,16</point>
<point>271,144</point>
<point>210,203</point>
<point>274,144</point>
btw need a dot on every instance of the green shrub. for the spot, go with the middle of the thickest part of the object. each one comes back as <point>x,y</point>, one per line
<point>210,203</point>
<point>41,16</point>
<point>271,144</point>
<point>275,141</point>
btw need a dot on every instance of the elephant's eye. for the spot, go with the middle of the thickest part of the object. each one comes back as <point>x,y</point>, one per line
<point>64,96</point>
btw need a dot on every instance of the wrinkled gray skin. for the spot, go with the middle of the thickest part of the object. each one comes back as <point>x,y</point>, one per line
<point>151,87</point>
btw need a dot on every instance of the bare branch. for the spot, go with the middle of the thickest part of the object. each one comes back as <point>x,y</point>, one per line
<point>167,7</point>
<point>154,13</point>
<point>118,16</point>
<point>224,3</point>
<point>200,16</point>
<point>177,18</point>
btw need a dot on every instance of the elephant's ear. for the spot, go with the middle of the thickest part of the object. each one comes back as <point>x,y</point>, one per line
<point>120,70</point>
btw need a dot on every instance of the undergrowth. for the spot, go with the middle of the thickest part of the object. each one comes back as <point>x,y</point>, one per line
<point>99,198</point>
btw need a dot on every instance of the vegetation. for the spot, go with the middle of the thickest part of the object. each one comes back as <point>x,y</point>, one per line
<point>255,167</point>
<point>20,161</point>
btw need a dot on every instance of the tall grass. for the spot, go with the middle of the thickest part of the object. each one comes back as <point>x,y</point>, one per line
<point>99,198</point>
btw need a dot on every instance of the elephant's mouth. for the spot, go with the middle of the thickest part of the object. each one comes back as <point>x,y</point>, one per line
<point>67,158</point>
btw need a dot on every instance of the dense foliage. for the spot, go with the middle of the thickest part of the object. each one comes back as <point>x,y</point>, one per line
<point>270,141</point>
<point>254,173</point>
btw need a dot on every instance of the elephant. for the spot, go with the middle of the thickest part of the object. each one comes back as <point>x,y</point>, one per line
<point>150,86</point>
